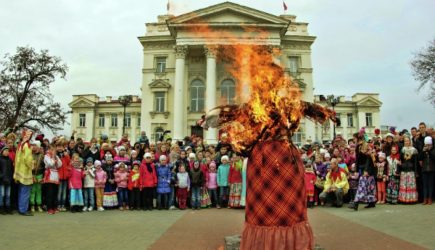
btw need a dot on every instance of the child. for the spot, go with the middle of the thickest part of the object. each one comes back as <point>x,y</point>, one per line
<point>222,181</point>
<point>353,181</point>
<point>196,182</point>
<point>393,176</point>
<point>6,181</point>
<point>121,179</point>
<point>134,186</point>
<point>381,177</point>
<point>75,184</point>
<point>164,175</point>
<point>64,174</point>
<point>110,198</point>
<point>51,178</point>
<point>100,181</point>
<point>38,177</point>
<point>148,181</point>
<point>310,179</point>
<point>235,181</point>
<point>211,183</point>
<point>89,185</point>
<point>183,184</point>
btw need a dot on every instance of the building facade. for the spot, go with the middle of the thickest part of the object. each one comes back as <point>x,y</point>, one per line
<point>182,73</point>
<point>361,110</point>
<point>93,116</point>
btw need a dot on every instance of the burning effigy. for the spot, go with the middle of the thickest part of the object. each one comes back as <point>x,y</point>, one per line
<point>261,126</point>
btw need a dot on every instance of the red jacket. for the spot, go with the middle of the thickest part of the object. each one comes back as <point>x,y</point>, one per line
<point>65,170</point>
<point>147,179</point>
<point>235,176</point>
<point>132,181</point>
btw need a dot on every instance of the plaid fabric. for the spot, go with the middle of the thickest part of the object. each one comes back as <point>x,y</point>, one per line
<point>276,186</point>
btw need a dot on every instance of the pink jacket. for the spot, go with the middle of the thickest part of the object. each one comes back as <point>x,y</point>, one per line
<point>121,179</point>
<point>211,180</point>
<point>75,182</point>
<point>100,178</point>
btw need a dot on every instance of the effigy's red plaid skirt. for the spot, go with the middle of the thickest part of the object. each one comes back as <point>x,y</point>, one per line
<point>276,212</point>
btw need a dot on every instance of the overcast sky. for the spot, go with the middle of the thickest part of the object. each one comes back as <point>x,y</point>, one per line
<point>361,46</point>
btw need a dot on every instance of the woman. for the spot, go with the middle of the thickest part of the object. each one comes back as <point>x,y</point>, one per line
<point>408,187</point>
<point>235,181</point>
<point>393,175</point>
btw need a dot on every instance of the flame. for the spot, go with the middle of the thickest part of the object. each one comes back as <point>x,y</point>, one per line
<point>267,98</point>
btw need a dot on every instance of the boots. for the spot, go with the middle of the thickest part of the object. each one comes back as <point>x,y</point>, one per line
<point>424,202</point>
<point>370,205</point>
<point>32,208</point>
<point>40,209</point>
<point>354,206</point>
<point>429,201</point>
<point>9,210</point>
<point>2,210</point>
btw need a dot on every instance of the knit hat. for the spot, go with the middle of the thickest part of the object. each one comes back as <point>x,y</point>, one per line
<point>381,155</point>
<point>120,148</point>
<point>97,163</point>
<point>428,140</point>
<point>327,155</point>
<point>133,151</point>
<point>389,134</point>
<point>2,135</point>
<point>162,158</point>
<point>3,149</point>
<point>225,157</point>
<point>192,155</point>
<point>90,160</point>
<point>212,164</point>
<point>136,163</point>
<point>108,157</point>
<point>147,155</point>
<point>187,148</point>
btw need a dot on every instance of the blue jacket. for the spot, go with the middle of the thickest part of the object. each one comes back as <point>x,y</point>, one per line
<point>163,178</point>
<point>222,175</point>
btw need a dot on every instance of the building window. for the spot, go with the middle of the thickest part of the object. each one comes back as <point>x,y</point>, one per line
<point>228,91</point>
<point>138,120</point>
<point>197,90</point>
<point>293,64</point>
<point>297,138</point>
<point>350,120</point>
<point>127,121</point>
<point>82,120</point>
<point>159,102</point>
<point>369,120</point>
<point>158,133</point>
<point>160,64</point>
<point>114,120</point>
<point>101,120</point>
<point>338,115</point>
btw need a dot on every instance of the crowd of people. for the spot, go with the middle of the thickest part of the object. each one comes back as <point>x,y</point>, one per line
<point>38,174</point>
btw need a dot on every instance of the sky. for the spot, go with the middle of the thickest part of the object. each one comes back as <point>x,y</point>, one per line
<point>361,46</point>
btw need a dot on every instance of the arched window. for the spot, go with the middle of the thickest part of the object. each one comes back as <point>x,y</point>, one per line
<point>228,91</point>
<point>197,90</point>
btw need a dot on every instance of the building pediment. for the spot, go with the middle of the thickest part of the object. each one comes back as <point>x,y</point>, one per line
<point>228,12</point>
<point>82,102</point>
<point>159,84</point>
<point>369,101</point>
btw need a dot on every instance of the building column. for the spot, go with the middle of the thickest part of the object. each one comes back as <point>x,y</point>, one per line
<point>178,123</point>
<point>210,96</point>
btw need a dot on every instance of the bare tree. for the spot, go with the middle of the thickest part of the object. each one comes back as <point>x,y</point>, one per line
<point>423,67</point>
<point>25,98</point>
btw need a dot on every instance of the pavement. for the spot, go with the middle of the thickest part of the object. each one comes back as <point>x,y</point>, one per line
<point>384,227</point>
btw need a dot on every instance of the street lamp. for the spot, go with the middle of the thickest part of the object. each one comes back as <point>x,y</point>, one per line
<point>124,100</point>
<point>332,101</point>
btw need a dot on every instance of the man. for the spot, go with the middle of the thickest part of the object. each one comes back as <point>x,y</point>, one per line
<point>336,185</point>
<point>23,173</point>
<point>143,140</point>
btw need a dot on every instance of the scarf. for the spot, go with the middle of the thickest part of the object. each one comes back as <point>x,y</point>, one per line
<point>150,169</point>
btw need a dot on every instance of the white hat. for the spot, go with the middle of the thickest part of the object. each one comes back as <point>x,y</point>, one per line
<point>147,155</point>
<point>225,157</point>
<point>389,134</point>
<point>192,155</point>
<point>163,158</point>
<point>97,163</point>
<point>323,151</point>
<point>381,154</point>
<point>327,155</point>
<point>428,140</point>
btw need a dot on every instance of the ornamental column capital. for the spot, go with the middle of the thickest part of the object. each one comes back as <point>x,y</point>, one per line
<point>180,51</point>
<point>211,50</point>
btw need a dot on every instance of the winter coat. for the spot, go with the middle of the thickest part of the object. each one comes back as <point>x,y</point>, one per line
<point>428,160</point>
<point>24,164</point>
<point>65,169</point>
<point>121,179</point>
<point>235,175</point>
<point>89,181</point>
<point>196,178</point>
<point>100,178</point>
<point>134,180</point>
<point>222,175</point>
<point>6,170</point>
<point>211,180</point>
<point>183,180</point>
<point>147,178</point>
<point>310,179</point>
<point>52,166</point>
<point>163,178</point>
<point>75,181</point>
